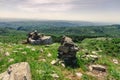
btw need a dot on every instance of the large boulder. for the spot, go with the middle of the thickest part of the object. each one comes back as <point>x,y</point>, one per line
<point>18,71</point>
<point>46,40</point>
<point>42,40</point>
<point>37,38</point>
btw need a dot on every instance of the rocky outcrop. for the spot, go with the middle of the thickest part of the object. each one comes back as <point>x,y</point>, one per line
<point>18,71</point>
<point>46,40</point>
<point>43,40</point>
<point>36,38</point>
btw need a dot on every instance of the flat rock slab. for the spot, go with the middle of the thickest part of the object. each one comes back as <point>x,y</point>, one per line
<point>98,71</point>
<point>18,71</point>
<point>115,61</point>
<point>7,54</point>
<point>78,74</point>
<point>92,56</point>
<point>97,68</point>
<point>53,62</point>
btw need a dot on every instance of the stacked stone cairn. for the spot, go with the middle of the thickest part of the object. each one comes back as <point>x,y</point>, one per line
<point>67,51</point>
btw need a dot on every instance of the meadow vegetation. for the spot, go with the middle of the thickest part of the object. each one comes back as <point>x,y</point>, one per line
<point>101,43</point>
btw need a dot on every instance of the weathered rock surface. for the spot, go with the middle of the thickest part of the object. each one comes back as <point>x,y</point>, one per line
<point>78,74</point>
<point>11,60</point>
<point>55,75</point>
<point>98,71</point>
<point>49,55</point>
<point>67,51</point>
<point>18,71</point>
<point>38,38</point>
<point>41,50</point>
<point>7,54</point>
<point>33,49</point>
<point>43,40</point>
<point>115,61</point>
<point>46,40</point>
<point>24,52</point>
<point>43,60</point>
<point>97,68</point>
<point>53,62</point>
<point>92,56</point>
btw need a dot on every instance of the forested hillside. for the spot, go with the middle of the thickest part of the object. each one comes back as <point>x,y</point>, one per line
<point>99,46</point>
<point>57,29</point>
<point>62,27</point>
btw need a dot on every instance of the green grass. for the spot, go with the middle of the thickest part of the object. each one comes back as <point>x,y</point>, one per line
<point>40,65</point>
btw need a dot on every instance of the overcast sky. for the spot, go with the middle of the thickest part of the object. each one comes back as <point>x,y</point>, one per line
<point>86,10</point>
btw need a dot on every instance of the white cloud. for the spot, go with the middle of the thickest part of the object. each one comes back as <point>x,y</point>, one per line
<point>48,1</point>
<point>45,5</point>
<point>53,5</point>
<point>102,10</point>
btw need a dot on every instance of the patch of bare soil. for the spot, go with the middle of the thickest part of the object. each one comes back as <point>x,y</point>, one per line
<point>98,74</point>
<point>71,76</point>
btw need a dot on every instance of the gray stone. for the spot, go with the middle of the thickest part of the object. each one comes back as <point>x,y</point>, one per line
<point>20,48</point>
<point>115,61</point>
<point>24,52</point>
<point>64,49</point>
<point>94,52</point>
<point>97,68</point>
<point>18,71</point>
<point>53,62</point>
<point>11,60</point>
<point>92,56</point>
<point>67,51</point>
<point>49,55</point>
<point>33,49</point>
<point>42,40</point>
<point>28,47</point>
<point>43,60</point>
<point>15,51</point>
<point>78,74</point>
<point>37,38</point>
<point>63,65</point>
<point>2,74</point>
<point>46,40</point>
<point>66,39</point>
<point>41,50</point>
<point>7,54</point>
<point>54,75</point>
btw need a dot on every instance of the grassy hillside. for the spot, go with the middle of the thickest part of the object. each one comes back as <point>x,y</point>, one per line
<point>102,41</point>
<point>40,57</point>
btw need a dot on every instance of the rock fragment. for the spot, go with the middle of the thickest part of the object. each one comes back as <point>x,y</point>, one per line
<point>18,71</point>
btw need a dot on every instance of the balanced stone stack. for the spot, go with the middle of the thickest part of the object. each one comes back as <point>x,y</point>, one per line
<point>67,51</point>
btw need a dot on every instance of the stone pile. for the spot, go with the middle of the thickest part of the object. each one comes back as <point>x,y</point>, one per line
<point>37,38</point>
<point>67,51</point>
